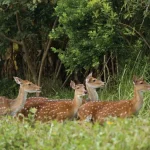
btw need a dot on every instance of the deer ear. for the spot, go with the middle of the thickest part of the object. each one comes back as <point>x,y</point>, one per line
<point>88,77</point>
<point>135,79</point>
<point>72,84</point>
<point>18,80</point>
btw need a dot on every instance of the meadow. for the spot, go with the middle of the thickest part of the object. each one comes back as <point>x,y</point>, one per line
<point>115,134</point>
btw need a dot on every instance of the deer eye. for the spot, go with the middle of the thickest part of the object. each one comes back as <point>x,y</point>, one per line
<point>29,83</point>
<point>94,80</point>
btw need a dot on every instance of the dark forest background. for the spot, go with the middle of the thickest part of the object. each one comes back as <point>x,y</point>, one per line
<point>51,42</point>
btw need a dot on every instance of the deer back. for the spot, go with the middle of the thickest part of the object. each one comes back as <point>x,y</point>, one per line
<point>91,108</point>
<point>32,102</point>
<point>122,109</point>
<point>4,105</point>
<point>59,110</point>
<point>39,103</point>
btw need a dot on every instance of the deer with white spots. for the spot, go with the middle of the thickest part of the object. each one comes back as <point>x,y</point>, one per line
<point>123,108</point>
<point>91,85</point>
<point>12,106</point>
<point>62,110</point>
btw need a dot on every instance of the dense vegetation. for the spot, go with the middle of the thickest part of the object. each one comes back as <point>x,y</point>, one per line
<point>130,134</point>
<point>62,40</point>
<point>51,42</point>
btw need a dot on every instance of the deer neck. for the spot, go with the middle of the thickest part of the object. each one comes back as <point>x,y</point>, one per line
<point>77,102</point>
<point>92,93</point>
<point>19,102</point>
<point>137,100</point>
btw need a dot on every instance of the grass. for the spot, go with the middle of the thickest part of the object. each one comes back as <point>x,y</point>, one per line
<point>124,134</point>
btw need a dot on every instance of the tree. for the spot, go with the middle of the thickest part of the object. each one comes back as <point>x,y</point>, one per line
<point>101,33</point>
<point>27,23</point>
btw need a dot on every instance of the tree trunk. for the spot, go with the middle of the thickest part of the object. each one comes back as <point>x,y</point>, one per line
<point>26,52</point>
<point>29,62</point>
<point>45,54</point>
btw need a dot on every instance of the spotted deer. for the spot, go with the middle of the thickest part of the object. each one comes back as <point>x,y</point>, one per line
<point>123,108</point>
<point>91,85</point>
<point>62,110</point>
<point>12,106</point>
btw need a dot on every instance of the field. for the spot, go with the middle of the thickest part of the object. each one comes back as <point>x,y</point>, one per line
<point>115,134</point>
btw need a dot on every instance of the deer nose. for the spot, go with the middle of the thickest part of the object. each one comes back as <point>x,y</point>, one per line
<point>85,92</point>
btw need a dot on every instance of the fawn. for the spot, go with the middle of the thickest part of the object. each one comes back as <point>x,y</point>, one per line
<point>35,102</point>
<point>62,110</point>
<point>122,108</point>
<point>11,107</point>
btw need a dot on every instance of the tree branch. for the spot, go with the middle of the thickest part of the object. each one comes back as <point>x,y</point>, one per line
<point>137,33</point>
<point>18,23</point>
<point>26,52</point>
<point>9,39</point>
<point>45,54</point>
<point>144,16</point>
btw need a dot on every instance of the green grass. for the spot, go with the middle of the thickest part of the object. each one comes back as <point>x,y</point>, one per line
<point>119,134</point>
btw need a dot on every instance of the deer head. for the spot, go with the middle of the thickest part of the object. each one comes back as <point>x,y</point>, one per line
<point>93,82</point>
<point>140,84</point>
<point>79,89</point>
<point>27,85</point>
<point>91,85</point>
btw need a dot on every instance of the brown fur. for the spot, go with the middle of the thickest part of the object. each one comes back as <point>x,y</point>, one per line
<point>61,110</point>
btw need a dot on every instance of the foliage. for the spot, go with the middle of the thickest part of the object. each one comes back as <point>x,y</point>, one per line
<point>90,26</point>
<point>8,88</point>
<point>101,27</point>
<point>100,35</point>
<point>115,134</point>
<point>26,23</point>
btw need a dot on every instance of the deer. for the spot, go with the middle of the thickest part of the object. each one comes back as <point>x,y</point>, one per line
<point>123,108</point>
<point>13,106</point>
<point>62,110</point>
<point>91,85</point>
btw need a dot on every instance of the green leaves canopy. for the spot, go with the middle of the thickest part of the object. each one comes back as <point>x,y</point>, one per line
<point>90,27</point>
